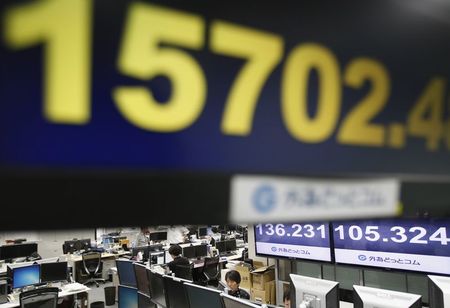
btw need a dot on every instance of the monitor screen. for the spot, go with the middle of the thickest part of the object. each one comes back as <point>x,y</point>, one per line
<point>70,246</point>
<point>145,250</point>
<point>125,271</point>
<point>414,245</point>
<point>56,271</point>
<point>85,243</point>
<point>128,297</point>
<point>199,296</point>
<point>365,297</point>
<point>144,301</point>
<point>318,293</point>
<point>221,246</point>
<point>300,241</point>
<point>234,302</point>
<point>189,252</point>
<point>17,251</point>
<point>25,276</point>
<point>158,236</point>
<point>202,231</point>
<point>230,245</point>
<point>141,278</point>
<point>175,292</point>
<point>157,294</point>
<point>201,251</point>
<point>439,291</point>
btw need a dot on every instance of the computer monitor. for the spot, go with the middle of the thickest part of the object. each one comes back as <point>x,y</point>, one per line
<point>234,302</point>
<point>230,245</point>
<point>107,240</point>
<point>319,293</point>
<point>128,297</point>
<point>199,296</point>
<point>189,252</point>
<point>145,250</point>
<point>158,236</point>
<point>157,257</point>
<point>140,272</point>
<point>56,271</point>
<point>157,294</point>
<point>70,246</point>
<point>8,252</point>
<point>201,251</point>
<point>439,291</point>
<point>221,246</point>
<point>144,301</point>
<point>125,271</point>
<point>25,276</point>
<point>85,244</point>
<point>202,231</point>
<point>176,297</point>
<point>365,297</point>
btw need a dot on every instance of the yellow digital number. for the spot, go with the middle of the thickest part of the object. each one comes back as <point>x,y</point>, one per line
<point>294,90</point>
<point>65,28</point>
<point>264,52</point>
<point>142,57</point>
<point>356,128</point>
<point>426,117</point>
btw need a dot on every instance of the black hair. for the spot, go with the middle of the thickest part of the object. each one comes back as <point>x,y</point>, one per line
<point>286,295</point>
<point>233,276</point>
<point>175,250</point>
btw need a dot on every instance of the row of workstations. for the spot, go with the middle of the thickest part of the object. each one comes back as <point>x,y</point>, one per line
<point>143,287</point>
<point>27,276</point>
<point>158,254</point>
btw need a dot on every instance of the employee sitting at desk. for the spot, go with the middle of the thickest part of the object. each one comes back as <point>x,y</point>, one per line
<point>233,279</point>
<point>175,253</point>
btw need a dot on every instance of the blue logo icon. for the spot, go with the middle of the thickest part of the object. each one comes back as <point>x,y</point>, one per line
<point>362,258</point>
<point>274,249</point>
<point>264,199</point>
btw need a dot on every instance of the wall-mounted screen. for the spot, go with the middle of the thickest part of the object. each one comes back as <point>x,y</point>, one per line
<point>301,241</point>
<point>415,245</point>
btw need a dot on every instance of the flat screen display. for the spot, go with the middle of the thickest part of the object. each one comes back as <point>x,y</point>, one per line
<point>414,245</point>
<point>125,270</point>
<point>25,276</point>
<point>141,278</point>
<point>128,297</point>
<point>55,271</point>
<point>300,241</point>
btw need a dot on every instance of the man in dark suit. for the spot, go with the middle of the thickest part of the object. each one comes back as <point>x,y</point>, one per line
<point>175,252</point>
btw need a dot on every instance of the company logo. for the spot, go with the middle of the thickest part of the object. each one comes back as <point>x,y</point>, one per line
<point>274,249</point>
<point>362,258</point>
<point>264,199</point>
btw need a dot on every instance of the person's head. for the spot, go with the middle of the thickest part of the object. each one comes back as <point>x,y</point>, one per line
<point>287,299</point>
<point>233,279</point>
<point>175,251</point>
<point>144,230</point>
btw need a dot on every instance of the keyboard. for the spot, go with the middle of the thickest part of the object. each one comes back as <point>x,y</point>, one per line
<point>228,254</point>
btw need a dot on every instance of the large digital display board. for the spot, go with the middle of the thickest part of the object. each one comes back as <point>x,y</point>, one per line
<point>414,245</point>
<point>301,241</point>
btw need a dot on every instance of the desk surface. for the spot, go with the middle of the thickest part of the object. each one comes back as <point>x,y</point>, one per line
<point>68,289</point>
<point>105,255</point>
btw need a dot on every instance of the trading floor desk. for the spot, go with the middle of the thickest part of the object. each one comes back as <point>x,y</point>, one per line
<point>108,259</point>
<point>67,290</point>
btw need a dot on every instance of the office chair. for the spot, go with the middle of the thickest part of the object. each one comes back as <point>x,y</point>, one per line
<point>184,271</point>
<point>39,298</point>
<point>210,271</point>
<point>92,264</point>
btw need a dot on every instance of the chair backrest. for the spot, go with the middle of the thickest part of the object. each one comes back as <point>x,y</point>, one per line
<point>39,298</point>
<point>91,261</point>
<point>211,267</point>
<point>184,271</point>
